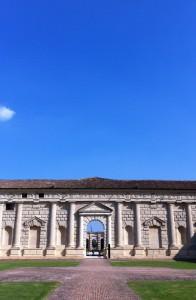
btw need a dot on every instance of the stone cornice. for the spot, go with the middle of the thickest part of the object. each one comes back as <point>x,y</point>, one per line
<point>152,198</point>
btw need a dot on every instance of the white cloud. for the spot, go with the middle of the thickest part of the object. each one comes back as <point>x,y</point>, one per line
<point>6,113</point>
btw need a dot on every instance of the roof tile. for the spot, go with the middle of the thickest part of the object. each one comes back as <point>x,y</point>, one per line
<point>98,183</point>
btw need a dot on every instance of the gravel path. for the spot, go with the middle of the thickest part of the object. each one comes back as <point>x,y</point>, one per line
<point>94,279</point>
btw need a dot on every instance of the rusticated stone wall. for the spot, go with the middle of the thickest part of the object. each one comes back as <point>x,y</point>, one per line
<point>153,213</point>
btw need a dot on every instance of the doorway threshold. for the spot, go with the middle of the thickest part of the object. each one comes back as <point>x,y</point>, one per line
<point>94,256</point>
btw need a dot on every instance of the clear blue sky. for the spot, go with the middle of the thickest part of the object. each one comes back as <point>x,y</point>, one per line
<point>99,88</point>
<point>95,226</point>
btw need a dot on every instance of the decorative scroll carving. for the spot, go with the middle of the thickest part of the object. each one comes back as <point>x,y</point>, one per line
<point>35,221</point>
<point>154,221</point>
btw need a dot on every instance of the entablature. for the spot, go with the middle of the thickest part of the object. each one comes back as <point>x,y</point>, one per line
<point>99,197</point>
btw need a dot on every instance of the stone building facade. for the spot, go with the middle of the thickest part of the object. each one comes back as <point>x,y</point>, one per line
<point>139,218</point>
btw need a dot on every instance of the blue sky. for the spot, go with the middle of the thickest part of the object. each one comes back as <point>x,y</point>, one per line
<point>95,226</point>
<point>102,89</point>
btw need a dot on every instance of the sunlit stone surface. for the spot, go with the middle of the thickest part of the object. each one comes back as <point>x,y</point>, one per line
<point>79,218</point>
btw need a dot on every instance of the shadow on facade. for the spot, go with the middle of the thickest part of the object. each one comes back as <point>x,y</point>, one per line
<point>188,251</point>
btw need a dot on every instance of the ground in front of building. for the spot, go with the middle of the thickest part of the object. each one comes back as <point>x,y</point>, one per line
<point>95,279</point>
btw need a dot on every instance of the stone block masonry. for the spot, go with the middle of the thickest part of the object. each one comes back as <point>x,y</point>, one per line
<point>138,222</point>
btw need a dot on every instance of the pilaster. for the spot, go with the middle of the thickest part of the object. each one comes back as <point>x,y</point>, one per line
<point>173,249</point>
<point>52,237</point>
<point>1,229</point>
<point>138,248</point>
<point>190,231</point>
<point>81,232</point>
<point>16,249</point>
<point>71,242</point>
<point>109,228</point>
<point>119,224</point>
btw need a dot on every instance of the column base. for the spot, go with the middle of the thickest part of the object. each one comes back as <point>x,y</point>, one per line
<point>156,252</point>
<point>51,251</point>
<point>2,252</point>
<point>74,252</point>
<point>117,252</point>
<point>139,251</point>
<point>128,251</point>
<point>33,252</point>
<point>173,251</point>
<point>16,251</point>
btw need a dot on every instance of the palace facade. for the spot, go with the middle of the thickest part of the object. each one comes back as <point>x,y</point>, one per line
<point>97,216</point>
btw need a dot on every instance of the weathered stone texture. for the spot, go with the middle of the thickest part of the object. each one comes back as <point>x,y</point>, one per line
<point>40,210</point>
<point>8,217</point>
<point>154,219</point>
<point>148,211</point>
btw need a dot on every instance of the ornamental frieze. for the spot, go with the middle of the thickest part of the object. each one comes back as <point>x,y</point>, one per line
<point>147,197</point>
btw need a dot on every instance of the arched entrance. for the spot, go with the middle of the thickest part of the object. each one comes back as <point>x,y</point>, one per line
<point>95,238</point>
<point>94,228</point>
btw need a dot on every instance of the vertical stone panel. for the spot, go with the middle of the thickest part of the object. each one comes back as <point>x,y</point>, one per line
<point>40,210</point>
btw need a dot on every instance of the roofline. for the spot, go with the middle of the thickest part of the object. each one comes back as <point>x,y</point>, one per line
<point>72,190</point>
<point>97,184</point>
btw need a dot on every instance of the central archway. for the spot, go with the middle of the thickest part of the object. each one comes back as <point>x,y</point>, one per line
<point>95,238</point>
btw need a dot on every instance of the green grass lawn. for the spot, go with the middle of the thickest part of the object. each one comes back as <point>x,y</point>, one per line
<point>155,263</point>
<point>164,290</point>
<point>26,290</point>
<point>13,264</point>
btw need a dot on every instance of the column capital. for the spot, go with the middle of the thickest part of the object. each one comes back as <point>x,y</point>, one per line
<point>18,201</point>
<point>53,203</point>
<point>119,204</point>
<point>171,203</point>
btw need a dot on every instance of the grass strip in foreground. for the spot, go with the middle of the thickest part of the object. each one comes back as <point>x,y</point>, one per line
<point>155,264</point>
<point>13,264</point>
<point>164,290</point>
<point>26,290</point>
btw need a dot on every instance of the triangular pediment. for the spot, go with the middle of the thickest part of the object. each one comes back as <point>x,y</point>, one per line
<point>154,221</point>
<point>35,221</point>
<point>95,207</point>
